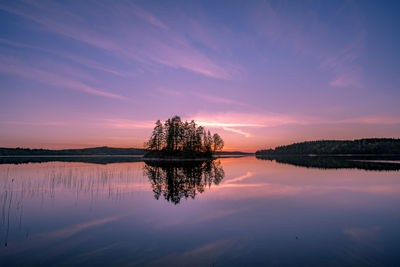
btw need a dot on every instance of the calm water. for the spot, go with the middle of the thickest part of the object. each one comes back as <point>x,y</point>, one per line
<point>230,212</point>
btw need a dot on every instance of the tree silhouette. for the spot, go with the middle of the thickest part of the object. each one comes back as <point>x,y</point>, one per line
<point>157,138</point>
<point>218,143</point>
<point>178,138</point>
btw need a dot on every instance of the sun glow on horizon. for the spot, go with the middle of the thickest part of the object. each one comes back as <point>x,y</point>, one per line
<point>262,76</point>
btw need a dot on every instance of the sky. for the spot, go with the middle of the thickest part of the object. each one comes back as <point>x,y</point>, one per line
<point>77,74</point>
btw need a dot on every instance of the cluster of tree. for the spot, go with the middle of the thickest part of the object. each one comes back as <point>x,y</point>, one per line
<point>71,152</point>
<point>181,137</point>
<point>329,147</point>
<point>177,180</point>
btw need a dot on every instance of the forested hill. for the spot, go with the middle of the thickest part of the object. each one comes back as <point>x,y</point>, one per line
<point>69,152</point>
<point>360,146</point>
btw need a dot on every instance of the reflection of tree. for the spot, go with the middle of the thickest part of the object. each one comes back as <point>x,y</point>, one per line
<point>374,163</point>
<point>177,180</point>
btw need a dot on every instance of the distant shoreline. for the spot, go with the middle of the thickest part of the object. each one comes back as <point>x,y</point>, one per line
<point>358,147</point>
<point>69,156</point>
<point>100,159</point>
<point>326,155</point>
<point>90,152</point>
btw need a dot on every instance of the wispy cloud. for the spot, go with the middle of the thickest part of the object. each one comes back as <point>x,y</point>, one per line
<point>348,79</point>
<point>127,124</point>
<point>36,123</point>
<point>373,119</point>
<point>17,67</point>
<point>309,34</point>
<point>343,63</point>
<point>83,61</point>
<point>15,44</point>
<point>169,91</point>
<point>218,99</point>
<point>240,119</point>
<point>243,123</point>
<point>92,64</point>
<point>136,41</point>
<point>241,132</point>
<point>147,16</point>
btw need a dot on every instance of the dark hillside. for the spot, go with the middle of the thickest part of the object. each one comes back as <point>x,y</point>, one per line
<point>330,147</point>
<point>71,152</point>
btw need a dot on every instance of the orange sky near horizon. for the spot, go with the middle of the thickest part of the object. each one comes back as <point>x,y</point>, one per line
<point>259,73</point>
<point>247,133</point>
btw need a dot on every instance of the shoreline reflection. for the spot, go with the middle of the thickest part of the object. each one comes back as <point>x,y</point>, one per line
<point>177,180</point>
<point>368,163</point>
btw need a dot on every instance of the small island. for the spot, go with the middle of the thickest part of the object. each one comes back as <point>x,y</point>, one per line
<point>177,139</point>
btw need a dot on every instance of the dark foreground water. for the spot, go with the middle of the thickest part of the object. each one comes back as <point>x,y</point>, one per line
<point>230,212</point>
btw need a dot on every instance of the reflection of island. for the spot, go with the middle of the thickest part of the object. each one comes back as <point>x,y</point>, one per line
<point>175,180</point>
<point>372,162</point>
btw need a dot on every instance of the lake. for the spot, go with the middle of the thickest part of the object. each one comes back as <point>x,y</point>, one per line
<point>239,211</point>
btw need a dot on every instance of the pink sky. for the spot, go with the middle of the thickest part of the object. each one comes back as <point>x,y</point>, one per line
<point>261,74</point>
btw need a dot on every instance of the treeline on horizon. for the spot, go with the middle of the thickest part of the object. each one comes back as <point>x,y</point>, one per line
<point>177,138</point>
<point>71,152</point>
<point>330,147</point>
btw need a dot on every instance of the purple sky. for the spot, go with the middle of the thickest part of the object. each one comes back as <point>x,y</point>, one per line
<point>260,73</point>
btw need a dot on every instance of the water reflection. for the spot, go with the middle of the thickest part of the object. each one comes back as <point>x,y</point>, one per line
<point>371,163</point>
<point>22,185</point>
<point>97,159</point>
<point>253,213</point>
<point>177,180</point>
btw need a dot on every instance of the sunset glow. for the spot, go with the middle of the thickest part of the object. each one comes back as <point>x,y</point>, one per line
<point>80,74</point>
